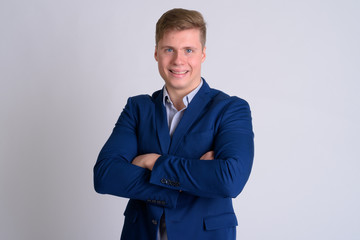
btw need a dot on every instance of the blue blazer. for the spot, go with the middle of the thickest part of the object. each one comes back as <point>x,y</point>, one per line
<point>195,195</point>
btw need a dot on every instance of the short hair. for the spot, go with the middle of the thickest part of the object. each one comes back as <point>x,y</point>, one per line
<point>180,19</point>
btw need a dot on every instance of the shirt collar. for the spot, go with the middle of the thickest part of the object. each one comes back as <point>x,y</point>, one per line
<point>187,99</point>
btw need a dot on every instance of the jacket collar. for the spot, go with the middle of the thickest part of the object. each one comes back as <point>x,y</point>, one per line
<point>193,111</point>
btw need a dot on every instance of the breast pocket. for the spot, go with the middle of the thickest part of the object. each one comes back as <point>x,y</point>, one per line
<point>196,144</point>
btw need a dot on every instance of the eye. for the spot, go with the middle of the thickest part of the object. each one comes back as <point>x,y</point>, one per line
<point>189,50</point>
<point>169,50</point>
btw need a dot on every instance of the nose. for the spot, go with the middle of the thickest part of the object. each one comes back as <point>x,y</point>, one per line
<point>178,58</point>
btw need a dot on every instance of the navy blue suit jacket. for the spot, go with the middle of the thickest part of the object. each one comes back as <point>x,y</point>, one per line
<point>195,195</point>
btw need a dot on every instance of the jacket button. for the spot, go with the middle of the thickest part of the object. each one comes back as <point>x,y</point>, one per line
<point>154,222</point>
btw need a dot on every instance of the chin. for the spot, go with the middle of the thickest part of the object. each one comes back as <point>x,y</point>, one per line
<point>177,84</point>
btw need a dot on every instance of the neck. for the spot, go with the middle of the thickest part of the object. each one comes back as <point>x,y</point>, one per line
<point>177,95</point>
<point>178,102</point>
<point>176,98</point>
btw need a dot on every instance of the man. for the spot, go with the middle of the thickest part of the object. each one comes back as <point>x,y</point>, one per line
<point>183,153</point>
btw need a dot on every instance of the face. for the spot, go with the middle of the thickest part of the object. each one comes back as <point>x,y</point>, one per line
<point>179,55</point>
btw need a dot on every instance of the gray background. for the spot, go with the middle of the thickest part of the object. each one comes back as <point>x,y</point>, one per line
<point>67,68</point>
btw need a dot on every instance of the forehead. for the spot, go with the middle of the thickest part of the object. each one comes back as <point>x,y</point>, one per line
<point>181,37</point>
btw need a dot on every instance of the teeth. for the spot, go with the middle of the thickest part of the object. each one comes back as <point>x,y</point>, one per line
<point>179,72</point>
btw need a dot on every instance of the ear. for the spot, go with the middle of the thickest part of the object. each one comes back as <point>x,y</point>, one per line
<point>203,54</point>
<point>156,54</point>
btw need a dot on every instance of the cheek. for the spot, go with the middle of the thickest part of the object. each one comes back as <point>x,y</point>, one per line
<point>160,64</point>
<point>163,62</point>
<point>195,63</point>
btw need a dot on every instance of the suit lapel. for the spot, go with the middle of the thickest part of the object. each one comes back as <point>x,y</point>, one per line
<point>192,113</point>
<point>162,128</point>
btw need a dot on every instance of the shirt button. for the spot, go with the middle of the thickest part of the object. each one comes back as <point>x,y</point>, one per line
<point>154,222</point>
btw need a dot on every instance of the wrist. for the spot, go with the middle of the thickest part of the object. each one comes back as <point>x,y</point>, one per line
<point>152,160</point>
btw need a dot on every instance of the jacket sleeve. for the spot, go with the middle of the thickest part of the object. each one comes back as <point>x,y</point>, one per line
<point>114,174</point>
<point>227,174</point>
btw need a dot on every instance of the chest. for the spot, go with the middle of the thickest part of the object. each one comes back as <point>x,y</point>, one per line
<point>194,135</point>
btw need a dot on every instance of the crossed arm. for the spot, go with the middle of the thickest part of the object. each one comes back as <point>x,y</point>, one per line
<point>120,171</point>
<point>148,160</point>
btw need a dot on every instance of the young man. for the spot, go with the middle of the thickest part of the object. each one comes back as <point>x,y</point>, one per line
<point>183,153</point>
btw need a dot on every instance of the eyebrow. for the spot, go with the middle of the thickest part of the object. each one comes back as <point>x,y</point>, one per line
<point>165,47</point>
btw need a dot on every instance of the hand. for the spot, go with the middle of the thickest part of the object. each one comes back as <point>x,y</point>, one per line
<point>208,156</point>
<point>146,160</point>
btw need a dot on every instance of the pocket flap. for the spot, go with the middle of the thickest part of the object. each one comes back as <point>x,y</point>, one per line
<point>220,221</point>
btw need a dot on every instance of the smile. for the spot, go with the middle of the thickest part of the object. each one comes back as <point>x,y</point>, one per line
<point>175,72</point>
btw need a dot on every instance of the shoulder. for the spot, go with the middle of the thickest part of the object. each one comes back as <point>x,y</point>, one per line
<point>137,106</point>
<point>233,112</point>
<point>139,99</point>
<point>219,97</point>
<point>143,103</point>
<point>142,100</point>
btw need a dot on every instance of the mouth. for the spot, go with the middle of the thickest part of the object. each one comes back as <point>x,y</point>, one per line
<point>178,72</point>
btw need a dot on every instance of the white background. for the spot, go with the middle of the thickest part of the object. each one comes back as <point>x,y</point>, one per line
<point>67,68</point>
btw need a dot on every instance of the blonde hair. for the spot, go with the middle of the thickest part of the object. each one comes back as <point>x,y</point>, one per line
<point>180,19</point>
